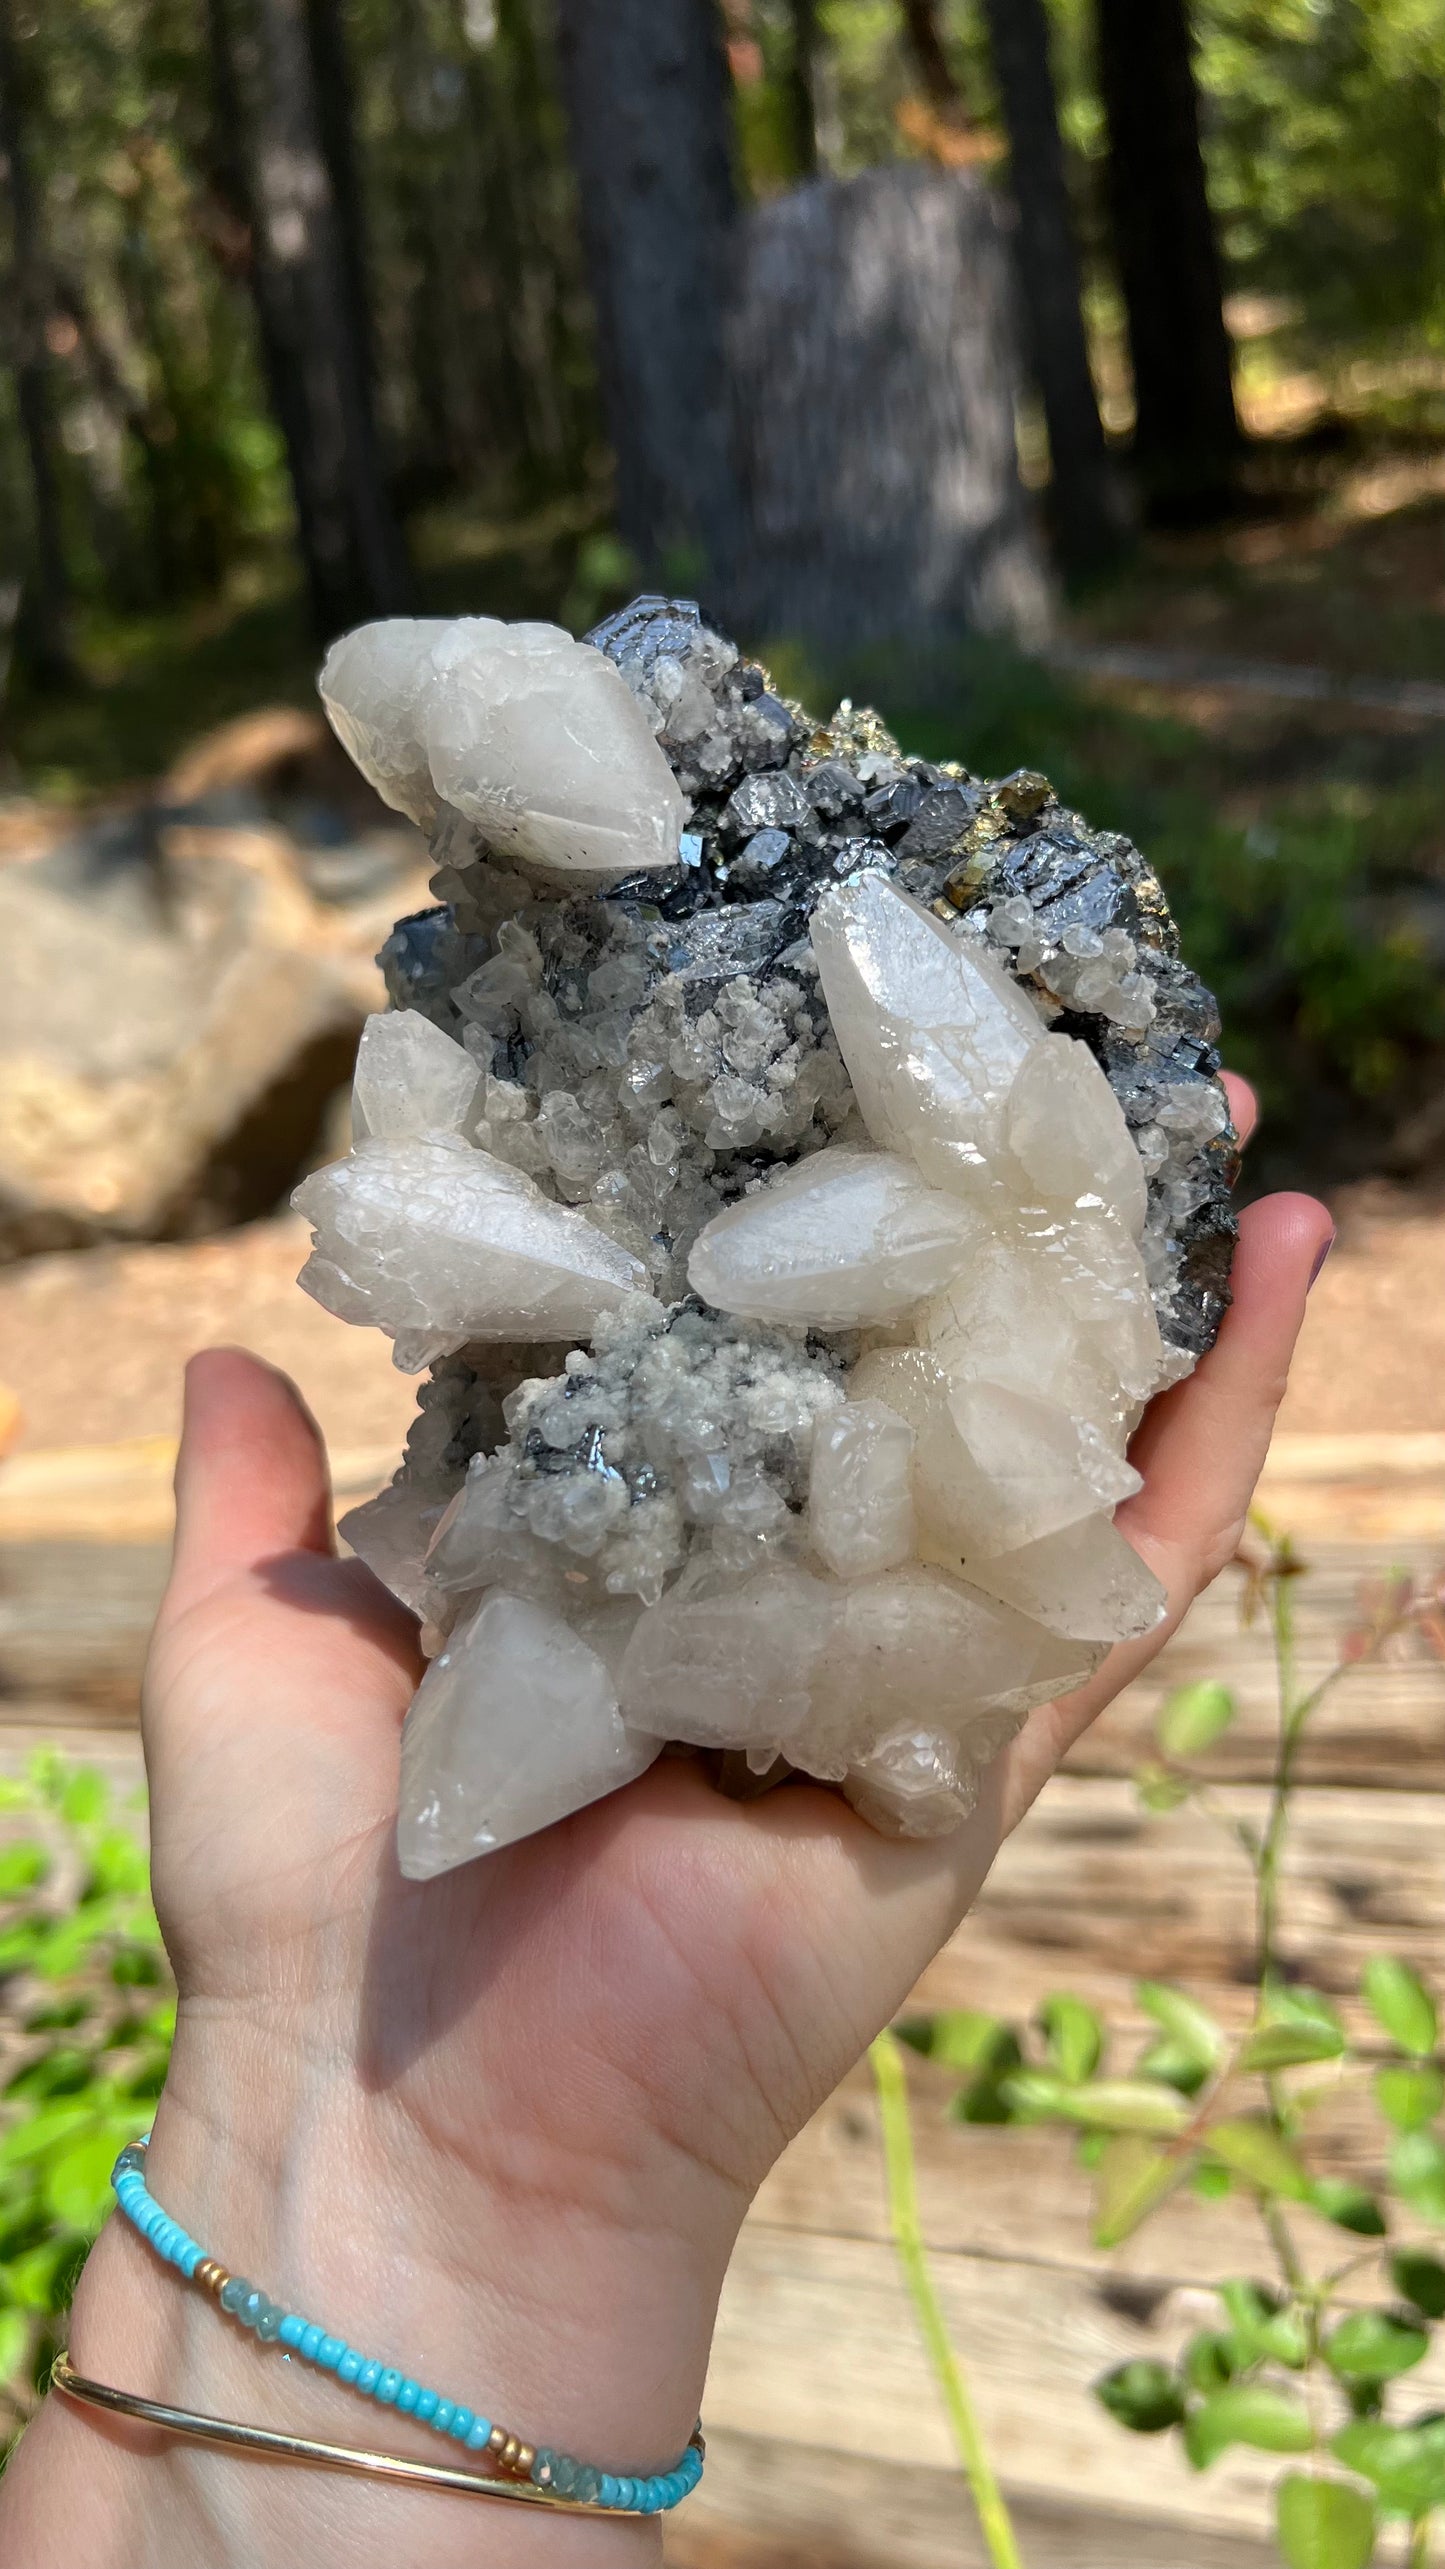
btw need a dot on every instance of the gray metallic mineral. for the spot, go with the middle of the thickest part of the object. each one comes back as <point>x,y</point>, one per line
<point>794,1218</point>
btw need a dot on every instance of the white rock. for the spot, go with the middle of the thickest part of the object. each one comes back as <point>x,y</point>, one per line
<point>411,1080</point>
<point>918,1650</point>
<point>916,1783</point>
<point>391,1534</point>
<point>485,1541</point>
<point>375,684</point>
<point>1087,1581</point>
<point>514,1725</point>
<point>727,1663</point>
<point>534,737</point>
<point>701,1527</point>
<point>860,1494</point>
<point>1069,1134</point>
<point>994,1467</point>
<point>1055,1304</point>
<point>842,1239</point>
<point>932,1028</point>
<point>434,1238</point>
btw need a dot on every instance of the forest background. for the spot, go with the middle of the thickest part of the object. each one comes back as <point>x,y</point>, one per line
<point>301,323</point>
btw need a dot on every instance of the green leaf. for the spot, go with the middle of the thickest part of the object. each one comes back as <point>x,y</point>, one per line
<point>1246,2413</point>
<point>1209,2361</point>
<point>14,2346</point>
<point>1400,2002</point>
<point>1374,2345</point>
<point>1134,2175</point>
<point>1074,2036</point>
<point>77,2181</point>
<point>1143,2395</point>
<point>1160,1791</point>
<point>1420,2279</point>
<point>1109,2104</point>
<point>1189,2027</point>
<point>84,1796</point>
<point>1272,2047</point>
<point>1194,1717</point>
<point>1417,2172</point>
<point>1405,2463</point>
<point>22,1864</point>
<point>1172,2067</point>
<point>1293,2002</point>
<point>1255,2152</point>
<point>1323,2524</point>
<point>959,2037</point>
<point>1349,2206</point>
<point>34,2278</point>
<point>1410,2097</point>
<point>1211,2182</point>
<point>1261,2324</point>
<point>40,2134</point>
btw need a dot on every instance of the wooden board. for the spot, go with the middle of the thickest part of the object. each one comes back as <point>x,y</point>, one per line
<point>765,2504</point>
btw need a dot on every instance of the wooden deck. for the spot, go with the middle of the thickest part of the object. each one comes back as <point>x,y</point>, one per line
<point>827,2448</point>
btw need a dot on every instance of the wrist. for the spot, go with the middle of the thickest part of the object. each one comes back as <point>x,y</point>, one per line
<point>570,2320</point>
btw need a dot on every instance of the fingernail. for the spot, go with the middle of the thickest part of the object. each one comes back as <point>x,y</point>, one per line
<point>1321,1253</point>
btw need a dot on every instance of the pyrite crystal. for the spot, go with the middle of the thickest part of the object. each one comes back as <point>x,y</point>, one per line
<point>794,1165</point>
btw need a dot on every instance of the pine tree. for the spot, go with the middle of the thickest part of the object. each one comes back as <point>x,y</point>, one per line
<point>646,92</point>
<point>1085,500</point>
<point>1186,437</point>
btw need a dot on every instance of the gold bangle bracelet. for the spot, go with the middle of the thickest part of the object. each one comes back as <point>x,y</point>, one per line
<point>234,2437</point>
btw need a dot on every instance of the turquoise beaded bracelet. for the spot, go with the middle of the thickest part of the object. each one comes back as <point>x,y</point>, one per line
<point>543,2473</point>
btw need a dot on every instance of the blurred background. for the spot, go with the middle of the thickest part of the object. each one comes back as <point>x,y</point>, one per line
<point>1066,377</point>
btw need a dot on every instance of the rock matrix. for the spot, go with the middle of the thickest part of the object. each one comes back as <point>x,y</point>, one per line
<point>794,1165</point>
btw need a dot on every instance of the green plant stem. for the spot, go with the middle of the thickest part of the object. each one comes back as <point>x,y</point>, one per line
<point>994,2521</point>
<point>1419,2556</point>
<point>1271,1848</point>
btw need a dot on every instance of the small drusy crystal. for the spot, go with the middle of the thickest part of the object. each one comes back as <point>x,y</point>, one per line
<point>797,1165</point>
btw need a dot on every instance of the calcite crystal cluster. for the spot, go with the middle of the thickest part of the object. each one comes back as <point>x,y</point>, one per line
<point>794,1165</point>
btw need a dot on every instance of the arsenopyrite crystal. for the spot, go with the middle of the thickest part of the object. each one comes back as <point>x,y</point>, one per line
<point>793,1230</point>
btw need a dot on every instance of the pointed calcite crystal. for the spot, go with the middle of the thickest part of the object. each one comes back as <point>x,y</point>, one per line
<point>797,1165</point>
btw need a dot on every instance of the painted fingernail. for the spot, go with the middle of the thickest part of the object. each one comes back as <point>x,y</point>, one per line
<point>1321,1253</point>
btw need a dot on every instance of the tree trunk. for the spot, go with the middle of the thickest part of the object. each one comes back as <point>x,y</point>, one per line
<point>930,60</point>
<point>646,91</point>
<point>1186,437</point>
<point>1086,503</point>
<point>43,619</point>
<point>802,86</point>
<point>306,282</point>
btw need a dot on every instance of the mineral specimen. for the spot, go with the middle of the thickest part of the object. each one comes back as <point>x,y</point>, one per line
<point>794,1229</point>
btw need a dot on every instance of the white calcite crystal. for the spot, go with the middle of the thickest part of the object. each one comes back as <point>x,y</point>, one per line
<point>794,1230</point>
<point>533,737</point>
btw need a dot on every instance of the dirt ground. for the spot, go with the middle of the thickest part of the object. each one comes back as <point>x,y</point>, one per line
<point>92,1343</point>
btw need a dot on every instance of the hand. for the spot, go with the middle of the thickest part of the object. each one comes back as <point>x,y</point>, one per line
<point>502,2127</point>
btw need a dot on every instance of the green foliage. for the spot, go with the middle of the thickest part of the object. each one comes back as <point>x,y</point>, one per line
<point>1417,2173</point>
<point>1323,2524</point>
<point>1194,1717</point>
<point>1305,2365</point>
<point>83,1982</point>
<point>1143,2396</point>
<point>1375,2345</point>
<point>1401,2003</point>
<point>1405,2465</point>
<point>1421,2279</point>
<point>1246,2413</point>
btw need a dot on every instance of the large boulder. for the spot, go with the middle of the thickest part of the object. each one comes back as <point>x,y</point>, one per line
<point>178,1008</point>
<point>875,375</point>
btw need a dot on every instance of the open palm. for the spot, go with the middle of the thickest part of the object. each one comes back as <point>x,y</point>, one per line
<point>611,2028</point>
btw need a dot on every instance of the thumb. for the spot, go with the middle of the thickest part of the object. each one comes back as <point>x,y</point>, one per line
<point>251,1477</point>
